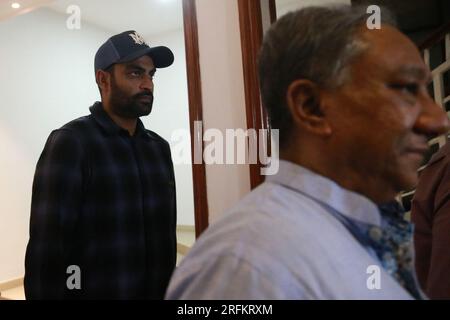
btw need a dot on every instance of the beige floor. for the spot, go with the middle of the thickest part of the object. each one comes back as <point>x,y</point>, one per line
<point>14,294</point>
<point>184,237</point>
<point>185,240</point>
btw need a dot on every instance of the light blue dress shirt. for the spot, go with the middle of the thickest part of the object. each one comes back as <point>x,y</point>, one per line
<point>282,241</point>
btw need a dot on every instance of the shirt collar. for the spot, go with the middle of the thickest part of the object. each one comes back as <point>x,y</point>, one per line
<point>109,126</point>
<point>326,191</point>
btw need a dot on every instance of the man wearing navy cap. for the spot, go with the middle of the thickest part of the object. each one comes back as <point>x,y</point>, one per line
<point>103,212</point>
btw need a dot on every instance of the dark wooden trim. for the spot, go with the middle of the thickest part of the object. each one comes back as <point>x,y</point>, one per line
<point>195,112</point>
<point>435,37</point>
<point>250,22</point>
<point>273,11</point>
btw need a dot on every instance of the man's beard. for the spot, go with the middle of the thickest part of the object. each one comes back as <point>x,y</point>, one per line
<point>128,107</point>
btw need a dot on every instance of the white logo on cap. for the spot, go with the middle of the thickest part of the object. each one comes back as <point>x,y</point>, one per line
<point>137,38</point>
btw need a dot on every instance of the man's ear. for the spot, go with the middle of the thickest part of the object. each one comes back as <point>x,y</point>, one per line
<point>103,79</point>
<point>305,104</point>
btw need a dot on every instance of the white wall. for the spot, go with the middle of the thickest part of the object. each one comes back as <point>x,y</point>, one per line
<point>284,6</point>
<point>223,95</point>
<point>46,80</point>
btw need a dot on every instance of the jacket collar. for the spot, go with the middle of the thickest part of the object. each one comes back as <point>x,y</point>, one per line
<point>109,126</point>
<point>440,154</point>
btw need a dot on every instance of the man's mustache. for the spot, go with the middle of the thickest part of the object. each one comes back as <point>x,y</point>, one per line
<point>144,94</point>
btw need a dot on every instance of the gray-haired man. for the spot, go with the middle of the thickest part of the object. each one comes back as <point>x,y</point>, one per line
<point>354,116</point>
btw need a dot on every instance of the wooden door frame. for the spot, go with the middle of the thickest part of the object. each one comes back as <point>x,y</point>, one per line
<point>251,39</point>
<point>251,28</point>
<point>195,113</point>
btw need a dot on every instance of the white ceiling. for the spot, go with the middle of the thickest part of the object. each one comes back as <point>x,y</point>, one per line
<point>145,16</point>
<point>6,11</point>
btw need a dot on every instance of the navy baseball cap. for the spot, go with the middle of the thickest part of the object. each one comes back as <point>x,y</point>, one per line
<point>128,46</point>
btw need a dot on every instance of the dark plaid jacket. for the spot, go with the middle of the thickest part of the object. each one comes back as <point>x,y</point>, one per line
<point>105,202</point>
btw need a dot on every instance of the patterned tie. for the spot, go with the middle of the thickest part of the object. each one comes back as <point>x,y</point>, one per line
<point>393,246</point>
<point>392,243</point>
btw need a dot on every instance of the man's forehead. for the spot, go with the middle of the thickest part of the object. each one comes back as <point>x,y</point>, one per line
<point>389,49</point>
